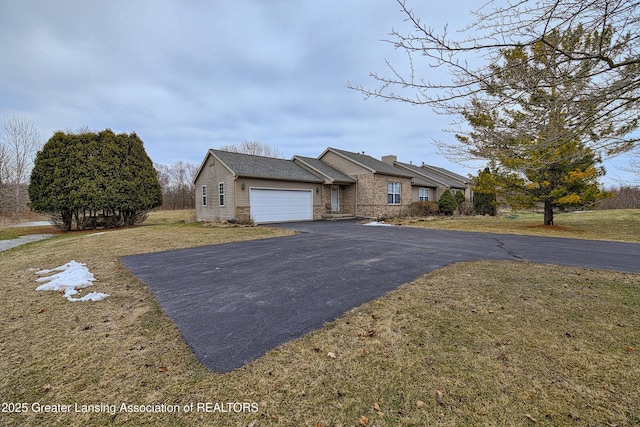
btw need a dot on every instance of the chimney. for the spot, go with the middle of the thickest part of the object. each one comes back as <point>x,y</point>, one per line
<point>389,159</point>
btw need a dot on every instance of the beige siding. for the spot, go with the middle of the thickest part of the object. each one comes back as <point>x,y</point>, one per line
<point>433,194</point>
<point>211,175</point>
<point>343,165</point>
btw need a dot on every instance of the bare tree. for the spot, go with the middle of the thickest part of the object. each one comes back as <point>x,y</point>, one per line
<point>473,59</point>
<point>633,167</point>
<point>178,190</point>
<point>19,143</point>
<point>255,148</point>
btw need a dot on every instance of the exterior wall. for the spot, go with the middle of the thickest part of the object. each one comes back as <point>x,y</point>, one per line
<point>415,194</point>
<point>372,196</point>
<point>347,199</point>
<point>242,196</point>
<point>343,165</point>
<point>211,174</point>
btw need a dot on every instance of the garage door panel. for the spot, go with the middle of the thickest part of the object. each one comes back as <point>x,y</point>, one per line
<point>275,205</point>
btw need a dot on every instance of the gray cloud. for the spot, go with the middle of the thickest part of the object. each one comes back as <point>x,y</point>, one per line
<point>195,74</point>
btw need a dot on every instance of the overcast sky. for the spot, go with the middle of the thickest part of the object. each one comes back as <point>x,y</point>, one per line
<point>191,75</point>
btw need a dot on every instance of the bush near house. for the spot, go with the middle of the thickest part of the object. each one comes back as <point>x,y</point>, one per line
<point>447,203</point>
<point>423,209</point>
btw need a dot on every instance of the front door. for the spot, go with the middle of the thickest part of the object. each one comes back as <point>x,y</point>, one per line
<point>335,199</point>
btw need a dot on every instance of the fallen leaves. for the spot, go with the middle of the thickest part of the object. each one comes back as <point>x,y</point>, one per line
<point>378,410</point>
<point>439,397</point>
<point>363,421</point>
<point>332,355</point>
<point>530,418</point>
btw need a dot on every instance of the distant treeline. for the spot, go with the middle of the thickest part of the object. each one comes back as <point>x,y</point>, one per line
<point>178,191</point>
<point>625,197</point>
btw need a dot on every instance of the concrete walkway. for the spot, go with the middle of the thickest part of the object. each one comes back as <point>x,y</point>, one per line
<point>12,243</point>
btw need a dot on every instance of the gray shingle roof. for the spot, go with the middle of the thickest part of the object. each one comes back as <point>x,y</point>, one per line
<point>250,166</point>
<point>375,165</point>
<point>421,176</point>
<point>450,178</point>
<point>333,174</point>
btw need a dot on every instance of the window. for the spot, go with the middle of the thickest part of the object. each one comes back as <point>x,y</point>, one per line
<point>221,193</point>
<point>204,195</point>
<point>423,194</point>
<point>393,193</point>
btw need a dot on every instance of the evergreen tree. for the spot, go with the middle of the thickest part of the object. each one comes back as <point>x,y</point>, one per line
<point>447,203</point>
<point>540,145</point>
<point>484,193</point>
<point>459,196</point>
<point>91,176</point>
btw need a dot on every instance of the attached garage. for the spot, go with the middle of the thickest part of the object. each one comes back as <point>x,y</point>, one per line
<point>277,205</point>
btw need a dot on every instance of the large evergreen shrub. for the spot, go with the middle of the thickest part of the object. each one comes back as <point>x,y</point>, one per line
<point>94,179</point>
<point>447,203</point>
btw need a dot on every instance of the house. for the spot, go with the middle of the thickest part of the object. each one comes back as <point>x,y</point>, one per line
<point>431,181</point>
<point>337,183</point>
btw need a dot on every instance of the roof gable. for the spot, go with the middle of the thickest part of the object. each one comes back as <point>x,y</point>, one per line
<point>450,178</point>
<point>330,174</point>
<point>368,162</point>
<point>250,166</point>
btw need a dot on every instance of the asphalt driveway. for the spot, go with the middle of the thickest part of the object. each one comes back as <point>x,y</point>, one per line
<point>234,302</point>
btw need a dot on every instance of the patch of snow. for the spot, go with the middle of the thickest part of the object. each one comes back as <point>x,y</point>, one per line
<point>96,234</point>
<point>379,224</point>
<point>71,277</point>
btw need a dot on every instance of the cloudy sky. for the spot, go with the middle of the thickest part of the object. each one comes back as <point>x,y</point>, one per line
<point>194,74</point>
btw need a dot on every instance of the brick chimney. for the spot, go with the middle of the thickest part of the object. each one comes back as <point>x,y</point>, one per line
<point>389,159</point>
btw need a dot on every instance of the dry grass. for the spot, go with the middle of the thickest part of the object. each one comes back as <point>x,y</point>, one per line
<point>483,343</point>
<point>618,224</point>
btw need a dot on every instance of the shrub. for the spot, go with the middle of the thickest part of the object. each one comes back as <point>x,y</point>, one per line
<point>466,208</point>
<point>244,219</point>
<point>447,203</point>
<point>77,176</point>
<point>423,208</point>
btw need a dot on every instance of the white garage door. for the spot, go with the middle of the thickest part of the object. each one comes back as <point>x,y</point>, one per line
<point>269,205</point>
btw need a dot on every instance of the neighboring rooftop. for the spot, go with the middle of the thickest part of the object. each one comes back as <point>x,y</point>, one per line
<point>421,176</point>
<point>450,178</point>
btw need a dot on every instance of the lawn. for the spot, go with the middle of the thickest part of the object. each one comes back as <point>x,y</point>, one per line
<point>481,343</point>
<point>619,224</point>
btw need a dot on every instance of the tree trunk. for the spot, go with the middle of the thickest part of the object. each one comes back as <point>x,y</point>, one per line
<point>548,213</point>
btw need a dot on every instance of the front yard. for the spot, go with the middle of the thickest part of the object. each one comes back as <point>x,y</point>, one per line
<point>481,343</point>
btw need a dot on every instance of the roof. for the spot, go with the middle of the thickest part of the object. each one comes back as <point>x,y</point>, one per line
<point>332,175</point>
<point>450,178</point>
<point>421,176</point>
<point>250,166</point>
<point>368,162</point>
